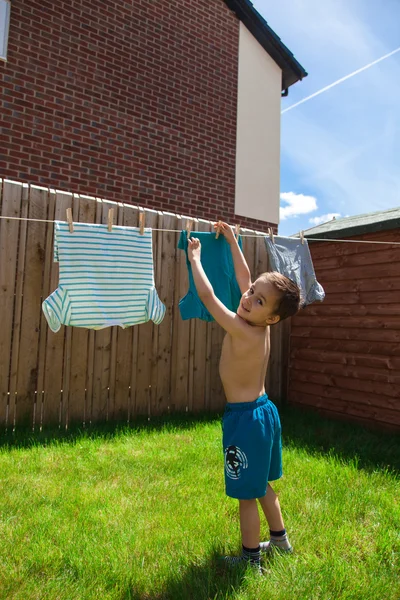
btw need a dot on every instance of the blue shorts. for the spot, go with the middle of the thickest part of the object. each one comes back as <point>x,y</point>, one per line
<point>252,447</point>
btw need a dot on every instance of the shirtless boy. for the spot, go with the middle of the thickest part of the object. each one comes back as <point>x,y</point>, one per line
<point>251,425</point>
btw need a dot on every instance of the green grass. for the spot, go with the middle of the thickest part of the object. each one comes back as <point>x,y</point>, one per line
<point>140,513</point>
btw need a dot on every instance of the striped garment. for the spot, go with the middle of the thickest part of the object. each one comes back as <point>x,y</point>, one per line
<point>106,278</point>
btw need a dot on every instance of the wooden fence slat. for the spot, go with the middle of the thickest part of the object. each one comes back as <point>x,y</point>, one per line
<point>128,217</point>
<point>102,352</point>
<point>112,333</point>
<point>216,401</point>
<point>262,266</point>
<point>166,259</point>
<point>340,333</point>
<point>192,345</point>
<point>249,250</point>
<point>116,407</point>
<point>158,267</point>
<point>307,393</point>
<point>54,359</point>
<point>18,306</point>
<point>200,351</point>
<point>135,343</point>
<point>27,368</point>
<point>181,332</point>
<point>146,374</point>
<point>350,346</point>
<point>261,257</point>
<point>11,207</point>
<point>373,361</point>
<point>48,260</point>
<point>370,373</point>
<point>358,289</point>
<point>89,207</point>
<point>352,384</point>
<point>351,274</point>
<point>275,362</point>
<point>285,359</point>
<point>84,211</point>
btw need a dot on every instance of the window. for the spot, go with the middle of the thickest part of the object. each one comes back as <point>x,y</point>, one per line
<point>5,9</point>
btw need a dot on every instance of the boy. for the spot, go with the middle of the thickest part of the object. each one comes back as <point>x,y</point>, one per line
<point>251,426</point>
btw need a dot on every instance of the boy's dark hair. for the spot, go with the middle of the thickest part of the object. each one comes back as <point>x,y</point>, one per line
<point>290,301</point>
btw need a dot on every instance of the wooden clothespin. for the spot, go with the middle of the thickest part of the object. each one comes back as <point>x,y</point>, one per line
<point>69,220</point>
<point>237,231</point>
<point>110,219</point>
<point>189,225</point>
<point>302,237</point>
<point>271,234</point>
<point>218,231</point>
<point>141,223</point>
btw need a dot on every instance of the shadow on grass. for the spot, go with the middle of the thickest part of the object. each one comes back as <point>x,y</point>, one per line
<point>208,581</point>
<point>370,449</point>
<point>26,438</point>
<point>301,428</point>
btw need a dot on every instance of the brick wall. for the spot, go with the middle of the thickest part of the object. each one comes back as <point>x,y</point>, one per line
<point>130,101</point>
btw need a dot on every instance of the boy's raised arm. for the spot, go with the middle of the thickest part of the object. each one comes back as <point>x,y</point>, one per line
<point>242,271</point>
<point>229,320</point>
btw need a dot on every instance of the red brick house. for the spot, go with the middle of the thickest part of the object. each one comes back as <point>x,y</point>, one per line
<point>171,105</point>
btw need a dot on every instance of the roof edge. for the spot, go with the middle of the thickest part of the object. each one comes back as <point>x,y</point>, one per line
<point>292,71</point>
<point>355,230</point>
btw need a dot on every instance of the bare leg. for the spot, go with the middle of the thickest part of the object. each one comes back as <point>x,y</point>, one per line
<point>249,523</point>
<point>250,529</point>
<point>272,510</point>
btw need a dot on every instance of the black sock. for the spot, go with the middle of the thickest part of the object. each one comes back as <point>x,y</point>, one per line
<point>277,533</point>
<point>252,554</point>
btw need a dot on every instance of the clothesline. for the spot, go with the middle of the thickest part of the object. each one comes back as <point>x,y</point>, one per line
<point>242,234</point>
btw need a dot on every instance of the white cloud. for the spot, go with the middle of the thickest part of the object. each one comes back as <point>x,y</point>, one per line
<point>298,204</point>
<point>324,218</point>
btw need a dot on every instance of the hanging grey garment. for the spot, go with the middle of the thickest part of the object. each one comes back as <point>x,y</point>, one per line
<point>290,257</point>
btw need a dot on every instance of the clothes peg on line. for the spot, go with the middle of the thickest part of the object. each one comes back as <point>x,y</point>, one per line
<point>302,237</point>
<point>218,230</point>
<point>237,231</point>
<point>110,219</point>
<point>69,220</point>
<point>189,225</point>
<point>271,234</point>
<point>141,223</point>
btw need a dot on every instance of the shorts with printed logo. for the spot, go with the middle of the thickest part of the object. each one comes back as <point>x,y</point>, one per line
<point>252,447</point>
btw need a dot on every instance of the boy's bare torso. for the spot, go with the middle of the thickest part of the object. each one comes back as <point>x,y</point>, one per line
<point>243,365</point>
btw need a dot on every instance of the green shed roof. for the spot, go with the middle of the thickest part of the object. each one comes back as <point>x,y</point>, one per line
<point>356,225</point>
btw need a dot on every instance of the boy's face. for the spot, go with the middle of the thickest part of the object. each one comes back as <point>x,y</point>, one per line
<point>258,304</point>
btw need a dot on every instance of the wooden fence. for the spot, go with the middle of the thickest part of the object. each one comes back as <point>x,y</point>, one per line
<point>345,352</point>
<point>85,376</point>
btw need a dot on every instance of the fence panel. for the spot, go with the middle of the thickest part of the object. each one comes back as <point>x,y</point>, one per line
<point>9,236</point>
<point>85,376</point>
<point>27,368</point>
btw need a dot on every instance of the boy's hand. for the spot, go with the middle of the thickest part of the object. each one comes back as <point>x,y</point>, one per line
<point>226,230</point>
<point>194,249</point>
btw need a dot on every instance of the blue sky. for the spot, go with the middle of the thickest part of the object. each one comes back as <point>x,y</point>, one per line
<point>340,151</point>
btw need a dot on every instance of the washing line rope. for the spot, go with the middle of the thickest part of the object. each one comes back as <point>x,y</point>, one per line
<point>193,231</point>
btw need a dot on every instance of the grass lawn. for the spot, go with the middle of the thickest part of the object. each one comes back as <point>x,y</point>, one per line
<point>140,513</point>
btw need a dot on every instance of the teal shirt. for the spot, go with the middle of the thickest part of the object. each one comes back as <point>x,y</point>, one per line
<point>217,262</point>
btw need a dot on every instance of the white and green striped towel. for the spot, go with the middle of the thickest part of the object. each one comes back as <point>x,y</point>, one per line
<point>106,278</point>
